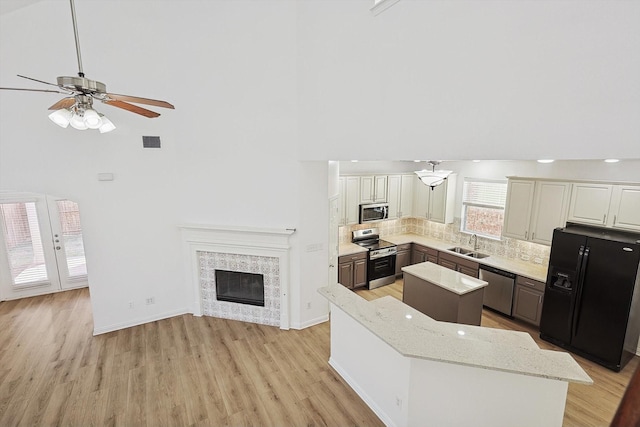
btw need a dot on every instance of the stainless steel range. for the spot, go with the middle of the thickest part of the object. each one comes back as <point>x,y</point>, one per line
<point>381,258</point>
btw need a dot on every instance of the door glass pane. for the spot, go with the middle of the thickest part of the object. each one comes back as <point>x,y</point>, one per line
<point>23,243</point>
<point>72,237</point>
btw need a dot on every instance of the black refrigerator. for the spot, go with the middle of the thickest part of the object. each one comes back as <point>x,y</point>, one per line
<point>591,305</point>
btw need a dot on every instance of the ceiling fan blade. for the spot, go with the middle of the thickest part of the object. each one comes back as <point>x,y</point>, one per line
<point>63,103</point>
<point>138,100</point>
<point>133,108</point>
<point>35,90</point>
<point>36,80</point>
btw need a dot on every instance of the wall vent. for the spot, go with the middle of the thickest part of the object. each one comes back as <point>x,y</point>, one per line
<point>151,142</point>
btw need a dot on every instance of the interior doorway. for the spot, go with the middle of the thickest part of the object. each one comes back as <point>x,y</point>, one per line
<point>41,246</point>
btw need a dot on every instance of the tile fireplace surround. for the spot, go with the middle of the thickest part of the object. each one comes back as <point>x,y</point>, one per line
<point>243,249</point>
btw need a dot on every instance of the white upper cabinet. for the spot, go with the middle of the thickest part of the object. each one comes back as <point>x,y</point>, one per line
<point>399,195</point>
<point>373,189</point>
<point>550,206</point>
<point>616,206</point>
<point>517,215</point>
<point>406,196</point>
<point>535,208</point>
<point>349,200</point>
<point>438,204</point>
<point>624,211</point>
<point>590,203</point>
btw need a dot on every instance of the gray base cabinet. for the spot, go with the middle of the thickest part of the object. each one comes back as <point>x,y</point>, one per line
<point>421,253</point>
<point>442,304</point>
<point>527,300</point>
<point>403,258</point>
<point>456,263</point>
<point>352,270</point>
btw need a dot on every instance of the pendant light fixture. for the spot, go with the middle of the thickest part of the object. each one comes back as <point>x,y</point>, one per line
<point>434,177</point>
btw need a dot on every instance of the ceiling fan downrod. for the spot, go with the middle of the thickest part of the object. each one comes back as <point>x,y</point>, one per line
<point>75,33</point>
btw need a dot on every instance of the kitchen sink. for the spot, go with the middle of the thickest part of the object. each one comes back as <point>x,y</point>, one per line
<point>462,251</point>
<point>476,255</point>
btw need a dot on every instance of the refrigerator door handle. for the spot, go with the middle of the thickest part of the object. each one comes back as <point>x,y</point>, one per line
<point>583,268</point>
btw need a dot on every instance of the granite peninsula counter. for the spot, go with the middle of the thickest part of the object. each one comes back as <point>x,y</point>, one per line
<point>413,370</point>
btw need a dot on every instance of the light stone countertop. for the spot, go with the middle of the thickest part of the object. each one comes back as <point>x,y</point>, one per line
<point>346,249</point>
<point>445,278</point>
<point>521,268</point>
<point>414,334</point>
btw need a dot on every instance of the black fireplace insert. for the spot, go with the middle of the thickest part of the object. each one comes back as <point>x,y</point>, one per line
<point>243,288</point>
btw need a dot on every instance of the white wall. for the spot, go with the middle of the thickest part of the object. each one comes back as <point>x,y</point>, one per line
<point>470,80</point>
<point>259,86</point>
<point>229,153</point>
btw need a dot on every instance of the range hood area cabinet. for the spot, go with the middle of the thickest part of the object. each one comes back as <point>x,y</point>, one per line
<point>373,189</point>
<point>534,208</point>
<point>615,206</point>
<point>437,204</point>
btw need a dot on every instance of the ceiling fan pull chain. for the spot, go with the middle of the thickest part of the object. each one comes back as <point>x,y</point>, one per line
<point>75,33</point>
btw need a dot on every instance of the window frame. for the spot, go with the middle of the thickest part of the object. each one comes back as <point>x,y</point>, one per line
<point>487,205</point>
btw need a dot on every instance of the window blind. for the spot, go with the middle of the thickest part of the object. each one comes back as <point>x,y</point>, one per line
<point>489,193</point>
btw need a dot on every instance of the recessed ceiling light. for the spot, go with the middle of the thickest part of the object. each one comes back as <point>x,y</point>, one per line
<point>611,160</point>
<point>417,161</point>
<point>354,161</point>
<point>476,161</point>
<point>545,161</point>
<point>408,316</point>
<point>461,333</point>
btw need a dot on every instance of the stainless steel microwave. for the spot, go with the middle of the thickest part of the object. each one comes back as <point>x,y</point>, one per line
<point>374,212</point>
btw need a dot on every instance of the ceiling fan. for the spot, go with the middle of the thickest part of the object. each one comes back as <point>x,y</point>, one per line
<point>77,108</point>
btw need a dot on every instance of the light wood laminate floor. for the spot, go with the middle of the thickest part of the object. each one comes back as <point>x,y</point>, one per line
<point>190,370</point>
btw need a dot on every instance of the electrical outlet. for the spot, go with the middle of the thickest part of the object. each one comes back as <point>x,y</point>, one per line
<point>308,305</point>
<point>151,300</point>
<point>131,305</point>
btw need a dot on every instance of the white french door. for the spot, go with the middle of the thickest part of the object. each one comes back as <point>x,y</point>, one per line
<point>41,247</point>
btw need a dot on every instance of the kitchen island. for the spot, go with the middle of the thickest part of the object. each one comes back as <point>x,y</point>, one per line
<point>443,294</point>
<point>413,370</point>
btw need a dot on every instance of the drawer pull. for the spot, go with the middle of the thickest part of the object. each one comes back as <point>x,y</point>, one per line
<point>529,284</point>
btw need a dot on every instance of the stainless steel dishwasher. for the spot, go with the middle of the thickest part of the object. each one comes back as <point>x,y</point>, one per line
<point>498,294</point>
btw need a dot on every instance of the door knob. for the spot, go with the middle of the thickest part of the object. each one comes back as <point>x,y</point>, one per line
<point>58,248</point>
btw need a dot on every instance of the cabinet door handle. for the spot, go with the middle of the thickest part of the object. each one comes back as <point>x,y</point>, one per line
<point>526,234</point>
<point>604,219</point>
<point>614,220</point>
<point>533,235</point>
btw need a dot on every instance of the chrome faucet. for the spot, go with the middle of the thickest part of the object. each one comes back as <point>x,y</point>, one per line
<point>474,237</point>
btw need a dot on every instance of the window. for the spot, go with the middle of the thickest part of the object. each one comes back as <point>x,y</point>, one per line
<point>483,207</point>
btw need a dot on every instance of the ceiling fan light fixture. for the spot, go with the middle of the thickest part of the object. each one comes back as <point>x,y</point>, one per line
<point>77,122</point>
<point>92,119</point>
<point>107,125</point>
<point>61,117</point>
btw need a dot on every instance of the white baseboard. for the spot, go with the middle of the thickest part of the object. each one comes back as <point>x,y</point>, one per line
<point>139,321</point>
<point>311,322</point>
<point>360,392</point>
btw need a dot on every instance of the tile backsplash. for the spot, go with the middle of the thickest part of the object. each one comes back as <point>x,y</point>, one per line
<point>450,233</point>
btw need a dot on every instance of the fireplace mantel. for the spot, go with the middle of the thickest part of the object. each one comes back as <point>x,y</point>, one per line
<point>236,240</point>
